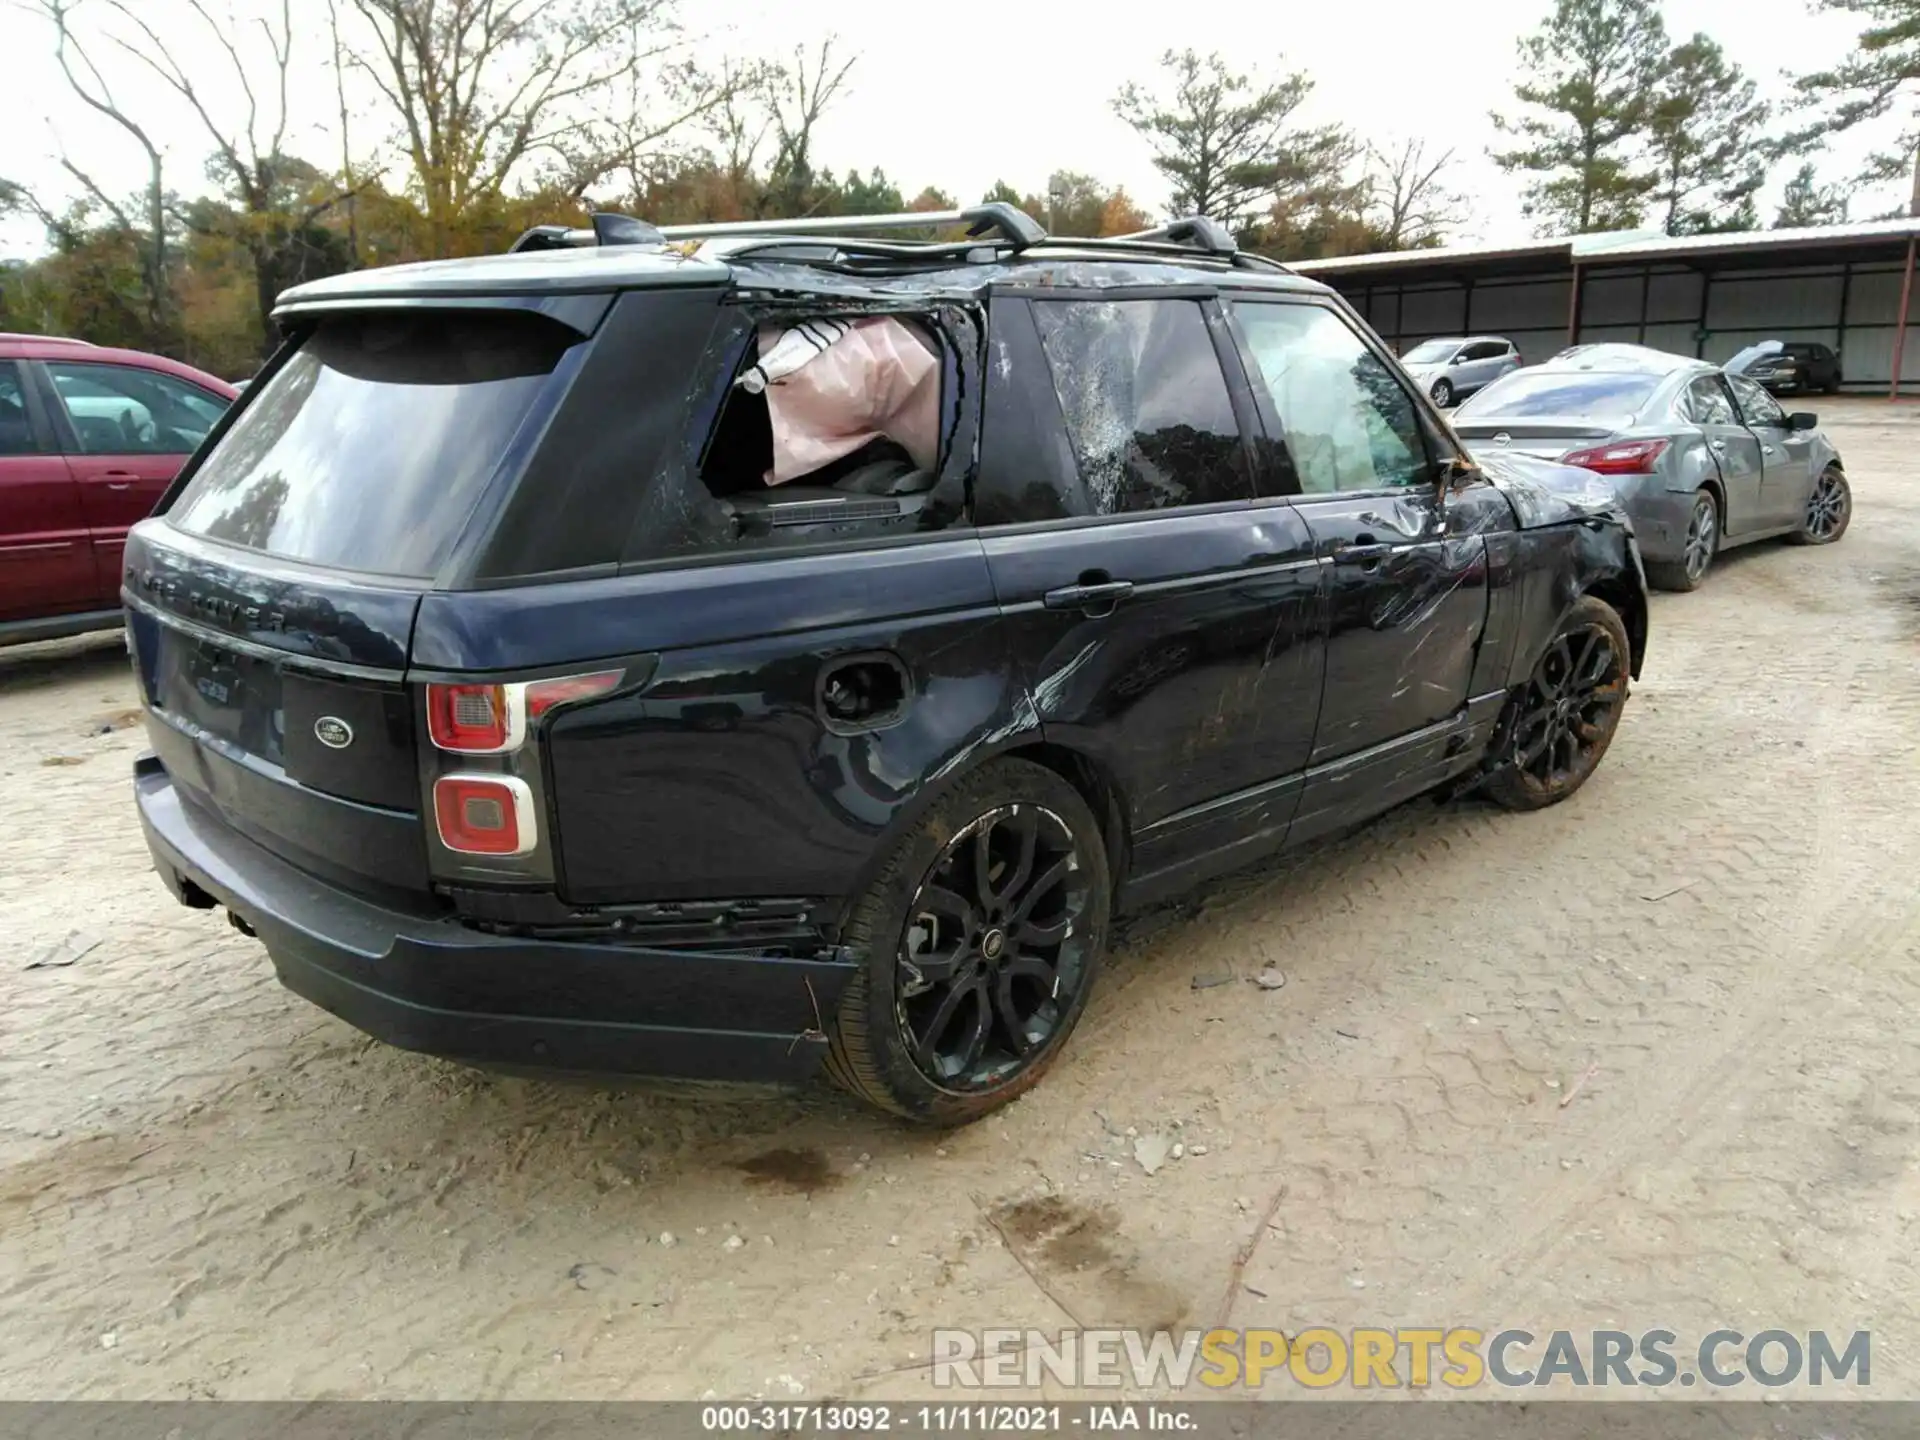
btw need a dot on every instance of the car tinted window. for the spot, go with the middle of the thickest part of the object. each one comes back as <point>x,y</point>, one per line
<point>1482,350</point>
<point>369,448</point>
<point>1590,395</point>
<point>1431,352</point>
<point>1709,404</point>
<point>16,427</point>
<point>1349,424</point>
<point>124,410</point>
<point>1759,407</point>
<point>1145,403</point>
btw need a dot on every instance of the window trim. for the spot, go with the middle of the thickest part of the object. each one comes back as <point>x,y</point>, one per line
<point>1434,436</point>
<point>39,422</point>
<point>68,436</point>
<point>1218,321</point>
<point>1740,409</point>
<point>1726,393</point>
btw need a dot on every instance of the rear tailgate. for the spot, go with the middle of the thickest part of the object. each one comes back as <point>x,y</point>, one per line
<point>272,605</point>
<point>276,701</point>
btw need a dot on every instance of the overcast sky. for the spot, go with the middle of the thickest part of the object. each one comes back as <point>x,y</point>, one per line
<point>1023,89</point>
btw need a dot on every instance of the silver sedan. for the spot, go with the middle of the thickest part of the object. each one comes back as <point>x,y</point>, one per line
<point>1701,458</point>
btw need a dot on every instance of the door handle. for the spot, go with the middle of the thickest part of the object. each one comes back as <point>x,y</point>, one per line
<point>1369,555</point>
<point>1094,593</point>
<point>120,484</point>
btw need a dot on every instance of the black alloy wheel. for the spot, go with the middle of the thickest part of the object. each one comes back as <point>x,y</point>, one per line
<point>979,942</point>
<point>989,963</point>
<point>1559,724</point>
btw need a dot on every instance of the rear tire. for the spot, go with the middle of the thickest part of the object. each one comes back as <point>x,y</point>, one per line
<point>1829,510</point>
<point>1702,544</point>
<point>1557,726</point>
<point>980,941</point>
<point>1443,394</point>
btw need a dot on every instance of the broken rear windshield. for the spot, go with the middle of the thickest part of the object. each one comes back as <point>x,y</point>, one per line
<point>370,448</point>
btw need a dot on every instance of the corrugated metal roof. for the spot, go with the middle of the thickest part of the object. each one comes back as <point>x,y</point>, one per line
<point>1631,246</point>
<point>1442,254</point>
<point>1618,245</point>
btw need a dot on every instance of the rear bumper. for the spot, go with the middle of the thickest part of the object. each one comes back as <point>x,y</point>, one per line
<point>439,987</point>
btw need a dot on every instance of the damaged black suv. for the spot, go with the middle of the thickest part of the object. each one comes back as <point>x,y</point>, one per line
<point>730,651</point>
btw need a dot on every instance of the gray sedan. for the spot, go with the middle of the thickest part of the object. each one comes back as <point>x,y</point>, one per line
<point>1702,459</point>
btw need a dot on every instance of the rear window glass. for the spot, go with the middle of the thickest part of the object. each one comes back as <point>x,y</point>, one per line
<point>369,449</point>
<point>1544,392</point>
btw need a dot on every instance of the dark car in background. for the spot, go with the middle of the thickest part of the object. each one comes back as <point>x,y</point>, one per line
<point>1792,367</point>
<point>90,437</point>
<point>791,652</point>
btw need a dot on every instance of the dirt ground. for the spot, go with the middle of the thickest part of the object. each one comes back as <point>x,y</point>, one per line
<point>1649,1059</point>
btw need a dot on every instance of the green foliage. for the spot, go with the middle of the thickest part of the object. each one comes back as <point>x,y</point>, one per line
<point>1593,71</point>
<point>1223,140</point>
<point>1879,79</point>
<point>1706,143</point>
<point>1806,201</point>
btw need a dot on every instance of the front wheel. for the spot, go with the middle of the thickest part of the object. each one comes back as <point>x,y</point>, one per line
<point>1558,725</point>
<point>1696,555</point>
<point>1443,394</point>
<point>979,941</point>
<point>1829,508</point>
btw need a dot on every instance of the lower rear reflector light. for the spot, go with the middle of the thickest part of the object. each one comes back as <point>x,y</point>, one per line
<point>484,814</point>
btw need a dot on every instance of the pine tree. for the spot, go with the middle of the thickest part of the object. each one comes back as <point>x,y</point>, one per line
<point>1881,77</point>
<point>1807,202</point>
<point>1593,68</point>
<point>1223,139</point>
<point>1706,143</point>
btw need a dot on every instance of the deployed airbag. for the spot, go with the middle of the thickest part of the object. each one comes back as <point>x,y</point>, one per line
<point>833,386</point>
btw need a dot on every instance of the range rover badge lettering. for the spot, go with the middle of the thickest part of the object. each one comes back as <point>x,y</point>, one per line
<point>333,732</point>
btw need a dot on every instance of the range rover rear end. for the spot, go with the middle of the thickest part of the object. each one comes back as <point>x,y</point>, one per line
<point>369,640</point>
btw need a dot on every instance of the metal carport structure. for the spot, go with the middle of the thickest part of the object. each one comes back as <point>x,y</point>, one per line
<point>1849,286</point>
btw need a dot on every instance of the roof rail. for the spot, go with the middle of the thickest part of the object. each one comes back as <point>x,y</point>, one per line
<point>1201,232</point>
<point>1009,222</point>
<point>608,229</point>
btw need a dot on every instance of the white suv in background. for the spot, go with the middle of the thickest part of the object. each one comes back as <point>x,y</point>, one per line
<point>1453,367</point>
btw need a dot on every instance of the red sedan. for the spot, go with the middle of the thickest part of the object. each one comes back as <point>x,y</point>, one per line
<point>89,439</point>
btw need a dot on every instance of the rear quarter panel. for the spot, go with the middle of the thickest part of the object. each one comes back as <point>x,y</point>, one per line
<point>720,778</point>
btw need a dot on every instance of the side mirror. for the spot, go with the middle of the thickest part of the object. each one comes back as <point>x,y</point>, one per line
<point>1803,420</point>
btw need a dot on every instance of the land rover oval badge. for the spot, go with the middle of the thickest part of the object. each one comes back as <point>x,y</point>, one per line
<point>1503,438</point>
<point>333,732</point>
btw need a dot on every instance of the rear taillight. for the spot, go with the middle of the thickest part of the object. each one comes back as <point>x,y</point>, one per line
<point>492,719</point>
<point>540,696</point>
<point>1628,457</point>
<point>474,719</point>
<point>485,814</point>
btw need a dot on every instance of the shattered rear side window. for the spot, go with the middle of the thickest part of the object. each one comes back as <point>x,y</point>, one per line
<point>1145,404</point>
